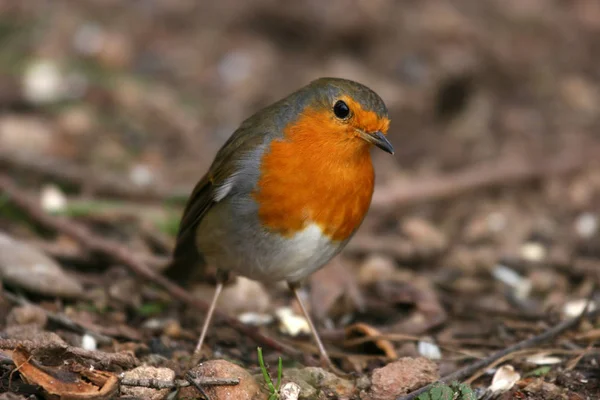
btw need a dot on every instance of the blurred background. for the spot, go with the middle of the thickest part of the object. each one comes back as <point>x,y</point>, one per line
<point>110,111</point>
<point>150,89</point>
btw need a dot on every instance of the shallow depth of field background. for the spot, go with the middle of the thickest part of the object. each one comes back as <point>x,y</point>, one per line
<point>160,85</point>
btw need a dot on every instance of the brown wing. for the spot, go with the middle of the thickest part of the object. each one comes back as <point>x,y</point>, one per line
<point>246,138</point>
<point>186,259</point>
<point>199,202</point>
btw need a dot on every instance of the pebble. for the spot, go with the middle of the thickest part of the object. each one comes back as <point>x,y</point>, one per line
<point>27,315</point>
<point>247,389</point>
<point>43,82</point>
<point>145,372</point>
<point>401,377</point>
<point>52,199</point>
<point>26,267</point>
<point>586,225</point>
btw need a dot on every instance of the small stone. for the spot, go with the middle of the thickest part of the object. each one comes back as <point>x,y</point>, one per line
<point>25,135</point>
<point>307,391</point>
<point>43,82</point>
<point>243,296</point>
<point>141,175</point>
<point>313,380</point>
<point>401,377</point>
<point>533,252</point>
<point>376,268</point>
<point>586,225</point>
<point>76,121</point>
<point>428,240</point>
<point>88,342</point>
<point>52,199</point>
<point>429,350</point>
<point>289,391</point>
<point>145,372</point>
<point>24,266</point>
<point>247,389</point>
<point>33,333</point>
<point>363,382</point>
<point>27,315</point>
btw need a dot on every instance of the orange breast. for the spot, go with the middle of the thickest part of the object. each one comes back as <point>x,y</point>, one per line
<point>317,174</point>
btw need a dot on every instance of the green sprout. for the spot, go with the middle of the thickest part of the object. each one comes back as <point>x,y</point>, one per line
<point>273,389</point>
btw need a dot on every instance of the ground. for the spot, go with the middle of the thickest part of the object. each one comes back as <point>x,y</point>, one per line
<point>483,230</point>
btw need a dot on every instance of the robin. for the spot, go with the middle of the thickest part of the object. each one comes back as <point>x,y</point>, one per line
<point>288,189</point>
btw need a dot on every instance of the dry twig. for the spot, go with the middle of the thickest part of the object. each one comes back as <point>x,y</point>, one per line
<point>525,344</point>
<point>121,254</point>
<point>178,383</point>
<point>397,194</point>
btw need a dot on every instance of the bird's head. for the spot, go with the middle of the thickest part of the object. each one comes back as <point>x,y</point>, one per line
<point>344,111</point>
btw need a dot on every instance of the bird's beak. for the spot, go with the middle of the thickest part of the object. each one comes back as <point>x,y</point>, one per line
<point>379,140</point>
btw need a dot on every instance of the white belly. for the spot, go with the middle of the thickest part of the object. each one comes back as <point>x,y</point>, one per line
<point>291,259</point>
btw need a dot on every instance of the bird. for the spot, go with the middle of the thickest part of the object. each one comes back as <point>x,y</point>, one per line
<point>287,191</point>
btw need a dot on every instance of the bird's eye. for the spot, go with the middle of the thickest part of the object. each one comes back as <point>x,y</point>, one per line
<point>341,110</point>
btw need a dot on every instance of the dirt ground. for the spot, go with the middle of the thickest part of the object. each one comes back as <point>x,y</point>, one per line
<point>483,230</point>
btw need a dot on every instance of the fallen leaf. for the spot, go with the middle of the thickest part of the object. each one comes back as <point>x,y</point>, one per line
<point>360,330</point>
<point>504,379</point>
<point>68,382</point>
<point>543,359</point>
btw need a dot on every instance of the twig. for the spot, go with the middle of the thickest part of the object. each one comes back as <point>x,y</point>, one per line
<point>121,254</point>
<point>573,363</point>
<point>534,341</point>
<point>192,380</point>
<point>402,193</point>
<point>178,383</point>
<point>124,360</point>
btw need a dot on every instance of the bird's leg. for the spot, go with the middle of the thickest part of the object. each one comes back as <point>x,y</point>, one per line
<point>221,278</point>
<point>324,357</point>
